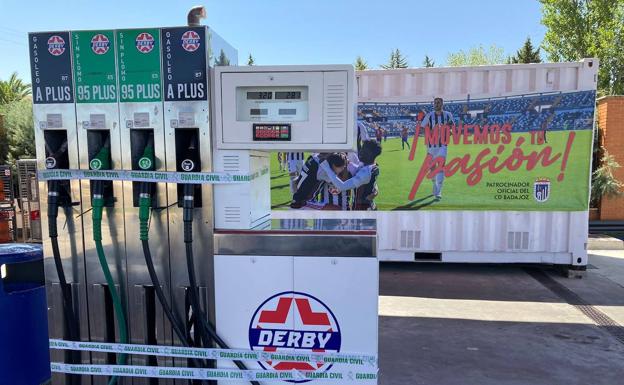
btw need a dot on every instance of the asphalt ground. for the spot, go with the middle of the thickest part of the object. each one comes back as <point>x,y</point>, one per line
<point>449,324</point>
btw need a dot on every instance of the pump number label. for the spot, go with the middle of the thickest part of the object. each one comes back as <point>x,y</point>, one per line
<point>95,164</point>
<point>145,163</point>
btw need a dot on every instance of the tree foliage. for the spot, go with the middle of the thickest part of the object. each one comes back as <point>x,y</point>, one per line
<point>19,131</point>
<point>396,60</point>
<point>427,63</point>
<point>17,136</point>
<point>477,56</point>
<point>250,60</point>
<point>222,60</point>
<point>360,64</point>
<point>13,89</point>
<point>577,29</point>
<point>604,183</point>
<point>527,54</point>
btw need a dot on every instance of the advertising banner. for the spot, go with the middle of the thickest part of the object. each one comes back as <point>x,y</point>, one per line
<point>138,60</point>
<point>50,66</point>
<point>527,152</point>
<point>94,66</point>
<point>184,63</point>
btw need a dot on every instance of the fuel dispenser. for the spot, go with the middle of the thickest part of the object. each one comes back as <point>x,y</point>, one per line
<point>286,286</point>
<point>186,117</point>
<point>187,264</point>
<point>54,118</point>
<point>143,146</point>
<point>99,140</point>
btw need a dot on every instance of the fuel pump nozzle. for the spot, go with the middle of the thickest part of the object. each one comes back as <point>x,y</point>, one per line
<point>146,163</point>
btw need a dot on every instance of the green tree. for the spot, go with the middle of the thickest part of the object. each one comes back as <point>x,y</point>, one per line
<point>4,139</point>
<point>604,183</point>
<point>360,64</point>
<point>13,89</point>
<point>587,28</point>
<point>396,60</point>
<point>427,63</point>
<point>526,54</point>
<point>477,56</point>
<point>19,130</point>
<point>250,60</point>
<point>222,60</point>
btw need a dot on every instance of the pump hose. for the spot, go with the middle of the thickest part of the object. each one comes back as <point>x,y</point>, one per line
<point>205,328</point>
<point>71,323</point>
<point>98,205</point>
<point>144,214</point>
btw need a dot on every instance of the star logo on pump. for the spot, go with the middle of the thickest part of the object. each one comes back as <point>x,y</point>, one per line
<point>100,44</point>
<point>144,42</point>
<point>190,41</point>
<point>541,189</point>
<point>294,321</point>
<point>145,163</point>
<point>56,45</point>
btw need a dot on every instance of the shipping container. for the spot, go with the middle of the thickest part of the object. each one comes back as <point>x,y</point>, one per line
<point>520,134</point>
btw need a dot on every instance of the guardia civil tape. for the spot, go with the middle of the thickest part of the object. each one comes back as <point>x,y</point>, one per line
<point>348,359</point>
<point>213,374</point>
<point>151,176</point>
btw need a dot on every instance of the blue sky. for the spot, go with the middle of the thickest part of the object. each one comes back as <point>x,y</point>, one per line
<point>291,32</point>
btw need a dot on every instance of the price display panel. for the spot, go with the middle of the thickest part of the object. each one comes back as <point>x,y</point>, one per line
<point>271,132</point>
<point>272,104</point>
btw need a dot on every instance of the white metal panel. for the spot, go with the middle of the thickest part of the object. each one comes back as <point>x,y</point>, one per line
<point>306,135</point>
<point>335,106</point>
<point>261,278</point>
<point>349,288</point>
<point>474,233</point>
<point>242,205</point>
<point>478,81</point>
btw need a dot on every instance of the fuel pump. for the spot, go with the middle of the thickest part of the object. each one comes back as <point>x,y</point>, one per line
<point>99,140</point>
<point>143,145</point>
<point>130,117</point>
<point>310,285</point>
<point>54,118</point>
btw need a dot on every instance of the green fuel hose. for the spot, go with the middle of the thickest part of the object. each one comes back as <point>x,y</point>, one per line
<point>102,162</point>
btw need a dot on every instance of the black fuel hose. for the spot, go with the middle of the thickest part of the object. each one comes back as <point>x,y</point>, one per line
<point>206,330</point>
<point>144,213</point>
<point>71,323</point>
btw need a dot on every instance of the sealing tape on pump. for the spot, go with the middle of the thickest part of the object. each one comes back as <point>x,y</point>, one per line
<point>217,354</point>
<point>152,176</point>
<point>212,374</point>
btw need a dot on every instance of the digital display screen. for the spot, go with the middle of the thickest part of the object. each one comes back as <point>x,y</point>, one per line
<point>287,94</point>
<point>271,132</point>
<point>258,111</point>
<point>259,95</point>
<point>288,111</point>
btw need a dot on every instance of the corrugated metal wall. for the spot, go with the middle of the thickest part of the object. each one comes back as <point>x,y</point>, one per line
<point>423,84</point>
<point>475,236</point>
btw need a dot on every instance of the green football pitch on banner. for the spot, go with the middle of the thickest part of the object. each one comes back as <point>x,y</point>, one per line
<point>398,173</point>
